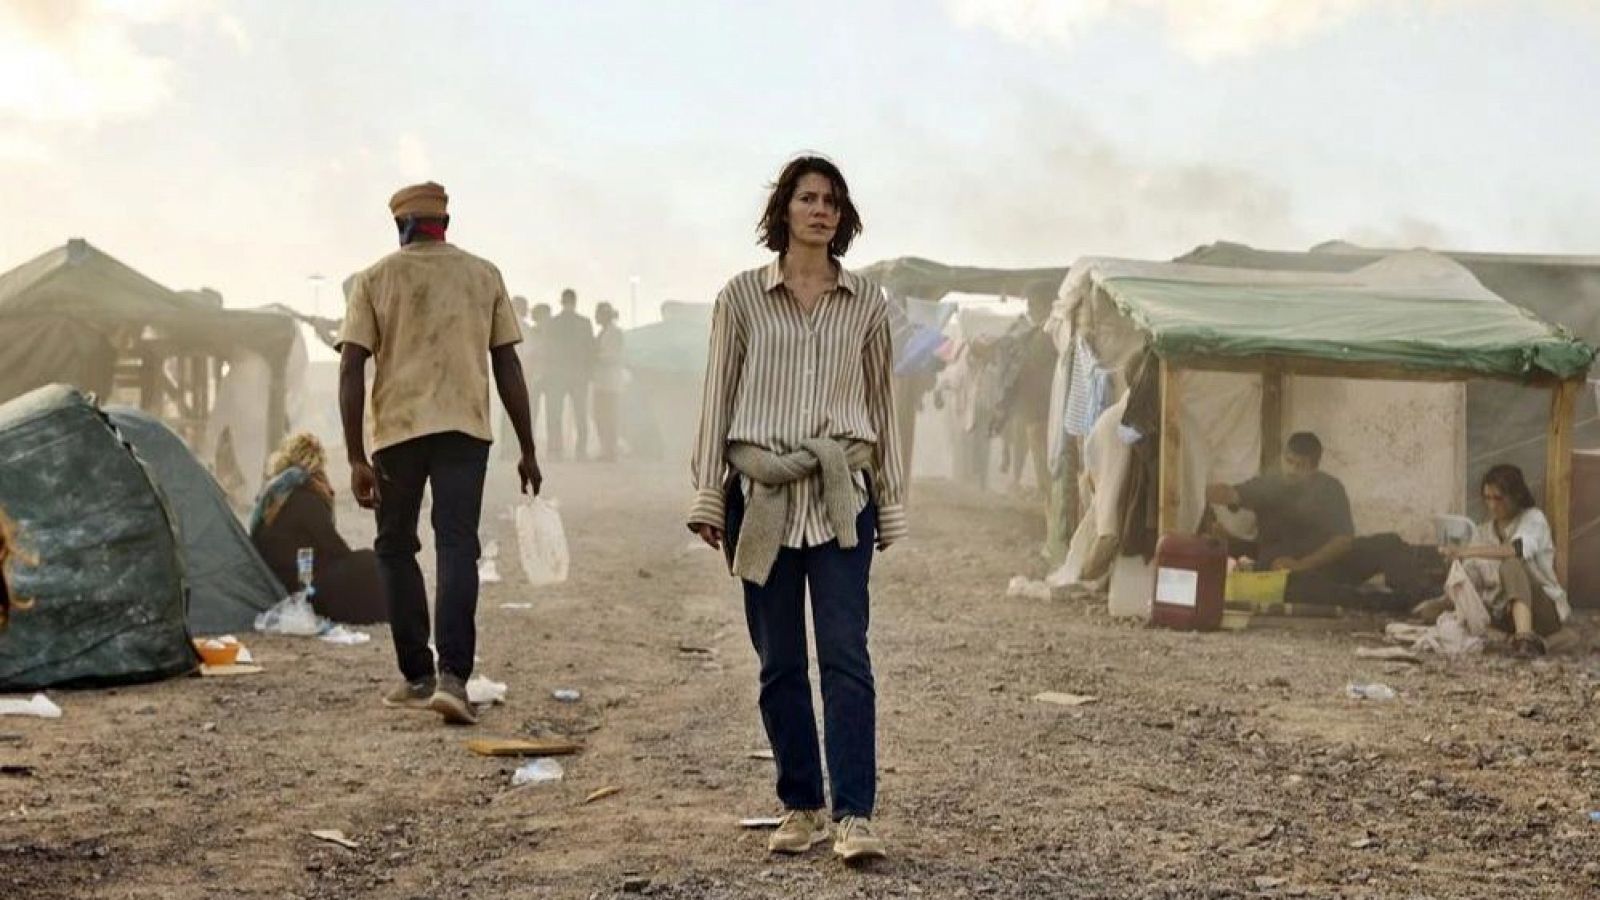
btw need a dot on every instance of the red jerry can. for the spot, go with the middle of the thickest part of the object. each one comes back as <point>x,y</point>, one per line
<point>1190,584</point>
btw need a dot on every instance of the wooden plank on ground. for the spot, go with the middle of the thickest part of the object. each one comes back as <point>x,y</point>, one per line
<point>524,747</point>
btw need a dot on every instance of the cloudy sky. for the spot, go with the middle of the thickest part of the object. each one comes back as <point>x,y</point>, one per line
<point>248,144</point>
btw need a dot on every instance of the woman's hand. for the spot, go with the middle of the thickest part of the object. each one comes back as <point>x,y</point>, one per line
<point>1451,552</point>
<point>711,534</point>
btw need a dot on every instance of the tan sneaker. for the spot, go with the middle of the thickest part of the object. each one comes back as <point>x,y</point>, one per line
<point>854,841</point>
<point>800,830</point>
<point>450,701</point>
<point>411,695</point>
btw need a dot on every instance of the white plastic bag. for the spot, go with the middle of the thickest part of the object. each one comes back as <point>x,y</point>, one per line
<point>488,568</point>
<point>292,615</point>
<point>39,705</point>
<point>542,542</point>
<point>482,691</point>
<point>540,771</point>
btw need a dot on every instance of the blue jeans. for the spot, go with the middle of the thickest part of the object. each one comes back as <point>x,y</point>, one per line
<point>776,615</point>
<point>455,464</point>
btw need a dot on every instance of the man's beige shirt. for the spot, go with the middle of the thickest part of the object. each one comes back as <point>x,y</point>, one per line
<point>429,313</point>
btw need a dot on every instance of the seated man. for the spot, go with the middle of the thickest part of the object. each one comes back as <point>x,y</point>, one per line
<point>1303,522</point>
<point>1304,527</point>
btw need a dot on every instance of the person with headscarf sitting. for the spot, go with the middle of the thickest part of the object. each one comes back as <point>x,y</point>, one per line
<point>295,510</point>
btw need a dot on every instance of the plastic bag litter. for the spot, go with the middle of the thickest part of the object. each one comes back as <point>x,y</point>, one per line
<point>542,542</point>
<point>540,771</point>
<point>338,634</point>
<point>292,615</point>
<point>1375,690</point>
<point>488,567</point>
<point>38,706</point>
<point>1028,588</point>
<point>482,691</point>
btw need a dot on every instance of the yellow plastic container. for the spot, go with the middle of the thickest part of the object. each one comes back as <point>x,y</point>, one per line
<point>1258,589</point>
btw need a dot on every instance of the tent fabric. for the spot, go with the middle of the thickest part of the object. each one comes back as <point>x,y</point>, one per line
<point>229,583</point>
<point>105,302</point>
<point>1418,310</point>
<point>678,343</point>
<point>1564,290</point>
<point>98,555</point>
<point>37,350</point>
<point>80,281</point>
<point>928,280</point>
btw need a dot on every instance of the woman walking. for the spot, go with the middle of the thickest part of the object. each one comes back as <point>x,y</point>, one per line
<point>797,467</point>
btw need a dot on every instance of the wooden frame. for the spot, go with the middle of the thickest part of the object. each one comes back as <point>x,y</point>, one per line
<point>1329,368</point>
<point>1271,419</point>
<point>1274,369</point>
<point>1171,450</point>
<point>1558,471</point>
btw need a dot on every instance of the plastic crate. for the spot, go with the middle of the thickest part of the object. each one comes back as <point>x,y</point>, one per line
<point>1256,589</point>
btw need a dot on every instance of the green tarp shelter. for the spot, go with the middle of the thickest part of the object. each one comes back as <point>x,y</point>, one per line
<point>96,563</point>
<point>1413,316</point>
<point>229,583</point>
<point>1506,422</point>
<point>74,314</point>
<point>1443,325</point>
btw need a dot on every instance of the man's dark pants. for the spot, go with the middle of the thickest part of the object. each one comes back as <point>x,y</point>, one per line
<point>454,464</point>
<point>557,392</point>
<point>776,615</point>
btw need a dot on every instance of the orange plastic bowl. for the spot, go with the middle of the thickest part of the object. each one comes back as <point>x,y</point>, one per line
<point>216,653</point>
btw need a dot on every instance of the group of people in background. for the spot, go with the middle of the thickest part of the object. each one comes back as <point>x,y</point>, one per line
<point>570,361</point>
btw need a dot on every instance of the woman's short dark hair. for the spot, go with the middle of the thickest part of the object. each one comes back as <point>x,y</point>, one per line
<point>773,231</point>
<point>1512,485</point>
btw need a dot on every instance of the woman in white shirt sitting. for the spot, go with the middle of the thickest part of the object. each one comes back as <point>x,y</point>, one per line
<point>1511,561</point>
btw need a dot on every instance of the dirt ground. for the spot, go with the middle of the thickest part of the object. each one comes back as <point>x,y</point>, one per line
<point>1225,765</point>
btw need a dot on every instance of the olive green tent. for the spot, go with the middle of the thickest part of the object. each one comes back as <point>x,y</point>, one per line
<point>96,570</point>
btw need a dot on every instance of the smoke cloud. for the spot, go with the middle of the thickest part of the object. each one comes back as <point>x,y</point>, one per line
<point>1208,30</point>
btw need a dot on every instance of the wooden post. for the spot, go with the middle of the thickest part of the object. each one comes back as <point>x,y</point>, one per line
<point>1558,471</point>
<point>1271,419</point>
<point>1171,458</point>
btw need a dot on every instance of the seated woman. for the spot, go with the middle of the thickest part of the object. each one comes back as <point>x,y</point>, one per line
<point>1511,561</point>
<point>295,510</point>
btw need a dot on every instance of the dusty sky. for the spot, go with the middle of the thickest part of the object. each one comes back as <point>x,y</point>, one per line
<point>247,145</point>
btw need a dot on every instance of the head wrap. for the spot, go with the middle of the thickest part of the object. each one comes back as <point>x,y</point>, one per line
<point>426,200</point>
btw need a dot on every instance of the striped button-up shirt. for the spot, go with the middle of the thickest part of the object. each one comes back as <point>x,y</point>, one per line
<point>778,375</point>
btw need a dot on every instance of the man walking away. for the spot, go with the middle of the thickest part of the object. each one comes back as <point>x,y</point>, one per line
<point>610,379</point>
<point>536,361</point>
<point>570,360</point>
<point>432,316</point>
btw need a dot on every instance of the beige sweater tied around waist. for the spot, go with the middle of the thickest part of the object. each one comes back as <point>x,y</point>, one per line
<point>766,516</point>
